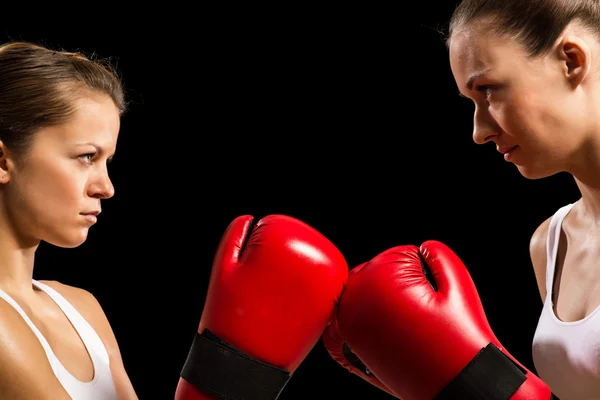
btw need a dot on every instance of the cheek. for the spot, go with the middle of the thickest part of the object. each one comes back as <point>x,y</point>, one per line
<point>54,187</point>
<point>510,118</point>
<point>523,117</point>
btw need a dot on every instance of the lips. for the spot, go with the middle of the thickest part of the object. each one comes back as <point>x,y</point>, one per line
<point>506,149</point>
<point>94,213</point>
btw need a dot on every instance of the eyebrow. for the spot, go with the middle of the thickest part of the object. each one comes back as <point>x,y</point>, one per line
<point>472,79</point>
<point>99,148</point>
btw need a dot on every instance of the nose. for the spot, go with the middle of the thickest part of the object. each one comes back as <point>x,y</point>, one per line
<point>485,127</point>
<point>101,187</point>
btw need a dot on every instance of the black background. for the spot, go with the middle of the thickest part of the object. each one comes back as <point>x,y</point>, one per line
<point>348,119</point>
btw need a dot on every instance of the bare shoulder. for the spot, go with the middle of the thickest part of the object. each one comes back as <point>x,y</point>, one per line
<point>89,307</point>
<point>84,301</point>
<point>19,350</point>
<point>73,293</point>
<point>537,252</point>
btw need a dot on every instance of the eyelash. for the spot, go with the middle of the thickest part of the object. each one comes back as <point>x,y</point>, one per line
<point>483,89</point>
<point>90,155</point>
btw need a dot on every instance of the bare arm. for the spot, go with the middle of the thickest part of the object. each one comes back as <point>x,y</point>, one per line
<point>26,372</point>
<point>537,251</point>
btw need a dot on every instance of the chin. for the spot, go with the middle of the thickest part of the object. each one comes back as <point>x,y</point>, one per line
<point>70,242</point>
<point>532,175</point>
<point>67,245</point>
<point>535,173</point>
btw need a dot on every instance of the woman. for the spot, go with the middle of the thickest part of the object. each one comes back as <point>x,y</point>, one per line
<point>59,122</point>
<point>532,69</point>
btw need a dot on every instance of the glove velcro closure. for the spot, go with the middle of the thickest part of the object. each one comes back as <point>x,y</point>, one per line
<point>220,369</point>
<point>491,375</point>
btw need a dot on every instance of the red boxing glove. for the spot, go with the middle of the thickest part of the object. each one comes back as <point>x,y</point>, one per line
<point>414,318</point>
<point>272,292</point>
<point>338,349</point>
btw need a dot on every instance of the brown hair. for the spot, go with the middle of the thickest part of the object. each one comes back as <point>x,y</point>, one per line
<point>536,24</point>
<point>38,87</point>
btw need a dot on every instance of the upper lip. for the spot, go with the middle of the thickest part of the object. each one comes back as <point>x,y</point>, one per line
<point>93,212</point>
<point>505,149</point>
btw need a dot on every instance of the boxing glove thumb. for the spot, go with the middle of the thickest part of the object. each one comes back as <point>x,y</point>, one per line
<point>336,346</point>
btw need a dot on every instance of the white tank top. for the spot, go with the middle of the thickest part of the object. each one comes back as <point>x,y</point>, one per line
<point>566,355</point>
<point>101,387</point>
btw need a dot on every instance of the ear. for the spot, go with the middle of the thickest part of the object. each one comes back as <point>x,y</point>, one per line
<point>576,56</point>
<point>5,163</point>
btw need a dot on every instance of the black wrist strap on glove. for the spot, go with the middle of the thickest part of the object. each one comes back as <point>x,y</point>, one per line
<point>217,368</point>
<point>490,375</point>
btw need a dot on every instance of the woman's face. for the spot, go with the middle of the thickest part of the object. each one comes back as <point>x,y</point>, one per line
<point>54,190</point>
<point>529,108</point>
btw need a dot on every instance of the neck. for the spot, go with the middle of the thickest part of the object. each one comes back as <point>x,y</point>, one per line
<point>587,178</point>
<point>16,263</point>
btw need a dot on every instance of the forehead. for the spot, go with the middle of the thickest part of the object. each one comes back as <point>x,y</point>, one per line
<point>96,119</point>
<point>475,50</point>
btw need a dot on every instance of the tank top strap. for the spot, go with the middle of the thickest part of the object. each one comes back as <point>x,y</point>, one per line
<point>88,335</point>
<point>552,243</point>
<point>49,353</point>
<point>102,386</point>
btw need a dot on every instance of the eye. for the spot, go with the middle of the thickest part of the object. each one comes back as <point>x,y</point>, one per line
<point>88,157</point>
<point>485,89</point>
